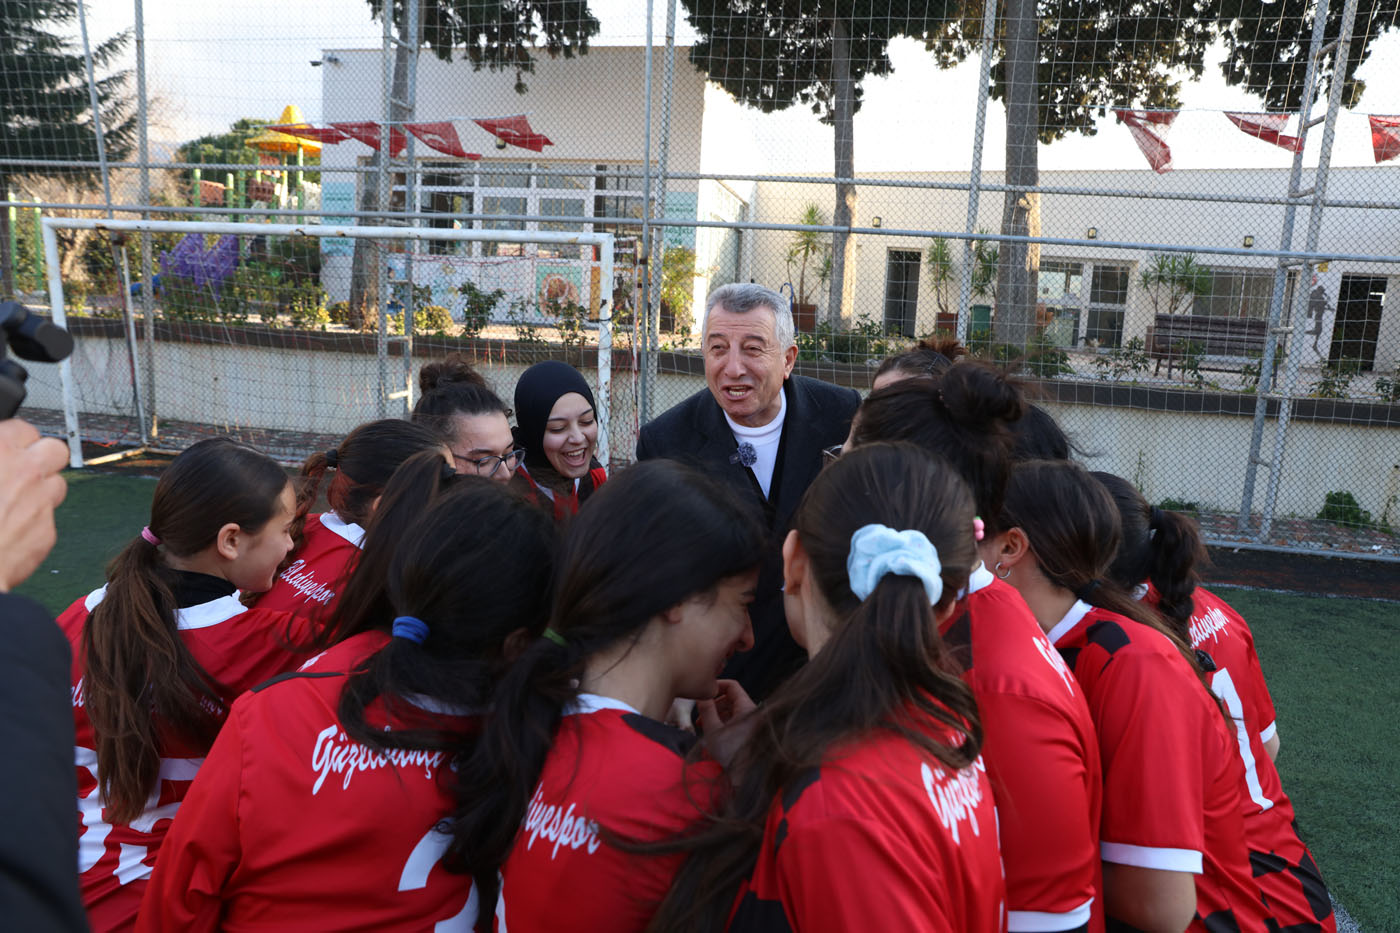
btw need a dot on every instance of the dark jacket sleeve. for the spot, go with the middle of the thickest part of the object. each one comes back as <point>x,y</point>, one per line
<point>38,787</point>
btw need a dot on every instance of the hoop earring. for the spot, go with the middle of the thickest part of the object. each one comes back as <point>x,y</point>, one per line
<point>1001,576</point>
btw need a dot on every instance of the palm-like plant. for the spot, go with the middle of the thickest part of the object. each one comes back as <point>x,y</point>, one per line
<point>939,260</point>
<point>806,246</point>
<point>1174,280</point>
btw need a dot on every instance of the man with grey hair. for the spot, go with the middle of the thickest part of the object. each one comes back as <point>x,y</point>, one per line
<point>762,430</point>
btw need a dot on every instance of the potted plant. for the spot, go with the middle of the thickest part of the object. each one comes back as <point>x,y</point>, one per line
<point>805,248</point>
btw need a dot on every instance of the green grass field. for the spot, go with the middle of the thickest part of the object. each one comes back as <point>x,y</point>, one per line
<point>1331,665</point>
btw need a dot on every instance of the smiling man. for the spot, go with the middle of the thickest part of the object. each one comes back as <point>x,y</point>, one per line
<point>762,430</point>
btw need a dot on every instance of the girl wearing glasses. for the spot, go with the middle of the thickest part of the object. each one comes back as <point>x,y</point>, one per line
<point>558,427</point>
<point>458,404</point>
<point>327,544</point>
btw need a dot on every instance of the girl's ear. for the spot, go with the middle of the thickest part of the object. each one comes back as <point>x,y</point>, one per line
<point>1013,547</point>
<point>795,564</point>
<point>515,644</point>
<point>227,540</point>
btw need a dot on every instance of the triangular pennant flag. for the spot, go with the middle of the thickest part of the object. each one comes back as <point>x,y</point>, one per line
<point>1385,137</point>
<point>322,134</point>
<point>367,132</point>
<point>441,136</point>
<point>1268,127</point>
<point>1149,129</point>
<point>516,131</point>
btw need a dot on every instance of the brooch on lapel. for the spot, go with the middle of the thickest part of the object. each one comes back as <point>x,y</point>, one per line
<point>746,455</point>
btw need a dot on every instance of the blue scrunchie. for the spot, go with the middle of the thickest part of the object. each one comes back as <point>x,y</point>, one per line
<point>878,549</point>
<point>414,629</point>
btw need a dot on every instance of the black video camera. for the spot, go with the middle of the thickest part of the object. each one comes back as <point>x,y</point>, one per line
<point>32,338</point>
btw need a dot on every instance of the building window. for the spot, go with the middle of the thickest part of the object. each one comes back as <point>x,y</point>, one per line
<point>1108,298</point>
<point>1061,287</point>
<point>901,291</point>
<point>1237,293</point>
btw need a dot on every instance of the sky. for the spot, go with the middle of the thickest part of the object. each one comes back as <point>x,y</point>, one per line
<point>211,63</point>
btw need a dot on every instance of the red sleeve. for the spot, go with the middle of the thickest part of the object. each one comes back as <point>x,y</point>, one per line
<point>202,849</point>
<point>842,874</point>
<point>1261,702</point>
<point>1046,804</point>
<point>1150,735</point>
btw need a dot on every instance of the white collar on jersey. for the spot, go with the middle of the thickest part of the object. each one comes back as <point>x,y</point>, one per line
<point>981,578</point>
<point>191,617</point>
<point>1079,610</point>
<point>348,530</point>
<point>430,705</point>
<point>593,702</point>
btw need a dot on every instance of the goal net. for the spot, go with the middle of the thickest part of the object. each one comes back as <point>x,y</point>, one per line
<point>288,336</point>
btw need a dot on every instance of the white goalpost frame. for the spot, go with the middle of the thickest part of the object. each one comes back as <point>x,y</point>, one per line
<point>603,241</point>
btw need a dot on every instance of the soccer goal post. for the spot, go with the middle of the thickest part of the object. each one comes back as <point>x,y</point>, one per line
<point>255,331</point>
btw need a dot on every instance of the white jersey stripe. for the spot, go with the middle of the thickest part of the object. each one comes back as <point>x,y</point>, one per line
<point>1037,921</point>
<point>1162,859</point>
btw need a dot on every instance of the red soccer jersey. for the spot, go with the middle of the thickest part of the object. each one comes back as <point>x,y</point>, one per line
<point>1171,778</point>
<point>293,826</point>
<point>1283,866</point>
<point>1042,758</point>
<point>319,569</point>
<point>239,648</point>
<point>882,836</point>
<point>609,767</point>
<point>562,506</point>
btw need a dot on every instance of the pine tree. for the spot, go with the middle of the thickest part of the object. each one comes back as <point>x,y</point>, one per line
<point>45,109</point>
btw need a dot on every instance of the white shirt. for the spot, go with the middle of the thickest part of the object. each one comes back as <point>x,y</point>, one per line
<point>765,441</point>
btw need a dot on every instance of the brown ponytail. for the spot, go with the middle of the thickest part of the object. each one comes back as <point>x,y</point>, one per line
<point>140,681</point>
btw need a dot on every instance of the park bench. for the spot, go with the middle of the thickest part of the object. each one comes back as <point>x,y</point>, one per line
<point>1174,337</point>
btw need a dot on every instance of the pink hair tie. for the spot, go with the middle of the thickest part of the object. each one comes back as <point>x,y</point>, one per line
<point>979,528</point>
<point>150,536</point>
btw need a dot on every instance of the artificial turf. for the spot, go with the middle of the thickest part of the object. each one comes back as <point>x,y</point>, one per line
<point>1331,666</point>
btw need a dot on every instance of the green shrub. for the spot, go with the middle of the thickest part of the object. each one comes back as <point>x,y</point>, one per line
<point>1341,507</point>
<point>1178,505</point>
<point>432,319</point>
<point>480,305</point>
<point>1128,360</point>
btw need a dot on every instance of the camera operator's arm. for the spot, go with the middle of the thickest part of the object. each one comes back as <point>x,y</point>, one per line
<point>38,789</point>
<point>30,489</point>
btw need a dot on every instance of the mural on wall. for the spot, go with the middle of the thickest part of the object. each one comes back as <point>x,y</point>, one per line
<point>535,280</point>
<point>1322,294</point>
<point>559,282</point>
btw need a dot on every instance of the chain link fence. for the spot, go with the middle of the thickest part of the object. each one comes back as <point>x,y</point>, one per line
<point>1178,226</point>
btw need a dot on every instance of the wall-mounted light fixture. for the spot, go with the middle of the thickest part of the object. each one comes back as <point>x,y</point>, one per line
<point>500,143</point>
<point>875,221</point>
<point>1093,233</point>
<point>1248,241</point>
<point>326,59</point>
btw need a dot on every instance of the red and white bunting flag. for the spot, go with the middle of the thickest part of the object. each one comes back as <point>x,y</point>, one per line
<point>1385,137</point>
<point>441,136</point>
<point>326,135</point>
<point>1268,127</point>
<point>1149,129</point>
<point>367,132</point>
<point>516,131</point>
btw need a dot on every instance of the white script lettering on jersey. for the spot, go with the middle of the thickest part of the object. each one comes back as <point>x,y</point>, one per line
<point>335,754</point>
<point>1052,657</point>
<point>955,796</point>
<point>558,825</point>
<point>78,693</point>
<point>1205,626</point>
<point>305,583</point>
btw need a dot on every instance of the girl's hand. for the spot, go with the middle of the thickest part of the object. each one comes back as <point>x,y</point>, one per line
<point>727,720</point>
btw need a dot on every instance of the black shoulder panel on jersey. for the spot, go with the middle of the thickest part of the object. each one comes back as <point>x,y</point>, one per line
<point>754,915</point>
<point>295,675</point>
<point>1071,656</point>
<point>677,740</point>
<point>958,640</point>
<point>1108,635</point>
<point>794,790</point>
<point>1222,921</point>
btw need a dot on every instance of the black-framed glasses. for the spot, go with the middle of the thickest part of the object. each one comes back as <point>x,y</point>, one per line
<point>831,454</point>
<point>487,466</point>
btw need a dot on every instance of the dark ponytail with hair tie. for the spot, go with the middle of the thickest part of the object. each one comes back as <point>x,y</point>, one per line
<point>1154,523</point>
<point>332,458</point>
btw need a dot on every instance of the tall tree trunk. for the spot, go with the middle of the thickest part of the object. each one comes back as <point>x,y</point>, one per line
<point>843,245</point>
<point>367,264</point>
<point>7,257</point>
<point>1019,263</point>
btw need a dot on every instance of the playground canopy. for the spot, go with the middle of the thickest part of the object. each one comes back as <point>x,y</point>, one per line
<point>270,140</point>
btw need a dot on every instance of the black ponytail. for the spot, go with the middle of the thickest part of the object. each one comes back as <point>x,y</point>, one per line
<point>1160,546</point>
<point>689,533</point>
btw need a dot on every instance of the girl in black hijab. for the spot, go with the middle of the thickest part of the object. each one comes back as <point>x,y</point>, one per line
<point>558,427</point>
